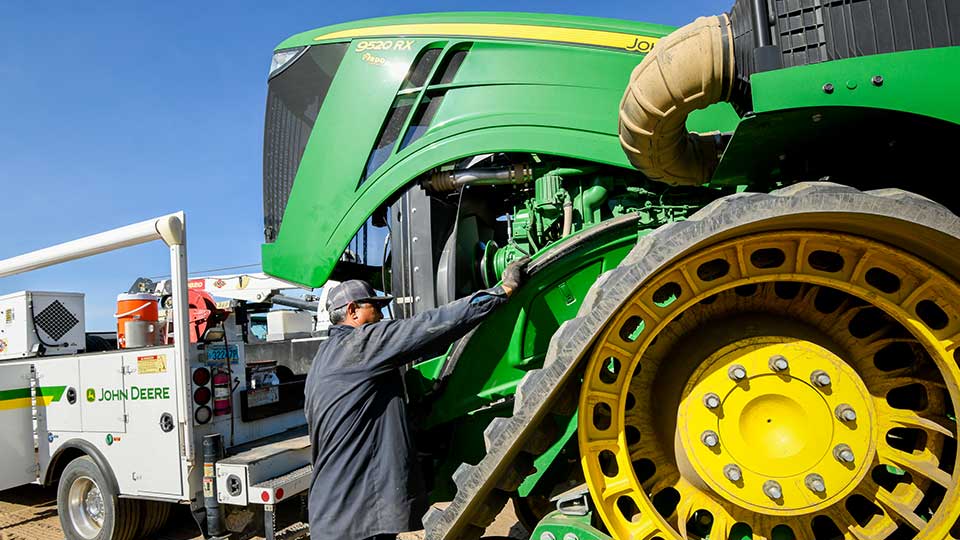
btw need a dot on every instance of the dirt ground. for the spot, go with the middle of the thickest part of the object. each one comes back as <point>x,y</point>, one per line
<point>30,513</point>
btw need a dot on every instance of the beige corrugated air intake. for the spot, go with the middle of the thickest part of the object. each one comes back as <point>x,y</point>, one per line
<point>687,70</point>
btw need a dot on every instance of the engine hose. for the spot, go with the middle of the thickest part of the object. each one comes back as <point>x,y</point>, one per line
<point>448,181</point>
<point>567,218</point>
<point>688,70</point>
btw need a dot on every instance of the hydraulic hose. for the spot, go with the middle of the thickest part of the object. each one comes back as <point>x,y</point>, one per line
<point>567,218</point>
<point>687,70</point>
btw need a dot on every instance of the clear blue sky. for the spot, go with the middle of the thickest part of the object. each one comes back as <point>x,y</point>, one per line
<point>115,112</point>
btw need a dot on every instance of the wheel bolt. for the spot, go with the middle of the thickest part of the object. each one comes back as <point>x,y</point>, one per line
<point>772,489</point>
<point>737,373</point>
<point>845,413</point>
<point>710,438</point>
<point>570,536</point>
<point>547,535</point>
<point>843,453</point>
<point>815,483</point>
<point>733,473</point>
<point>711,401</point>
<point>778,363</point>
<point>820,378</point>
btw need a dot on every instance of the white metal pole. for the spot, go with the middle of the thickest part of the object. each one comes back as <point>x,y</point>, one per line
<point>181,321</point>
<point>167,228</point>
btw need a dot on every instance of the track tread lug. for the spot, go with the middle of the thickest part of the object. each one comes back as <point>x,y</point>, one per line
<point>493,431</point>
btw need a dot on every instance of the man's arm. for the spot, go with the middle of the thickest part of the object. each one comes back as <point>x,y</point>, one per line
<point>400,341</point>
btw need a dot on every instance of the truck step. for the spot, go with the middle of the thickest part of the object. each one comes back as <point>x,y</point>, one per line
<point>282,466</point>
<point>283,487</point>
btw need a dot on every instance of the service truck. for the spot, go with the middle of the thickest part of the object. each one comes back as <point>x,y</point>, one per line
<point>179,407</point>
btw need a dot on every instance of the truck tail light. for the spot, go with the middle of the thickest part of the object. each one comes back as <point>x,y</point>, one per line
<point>202,395</point>
<point>201,376</point>
<point>202,415</point>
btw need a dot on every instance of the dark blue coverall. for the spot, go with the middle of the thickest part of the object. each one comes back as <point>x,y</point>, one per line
<point>366,480</point>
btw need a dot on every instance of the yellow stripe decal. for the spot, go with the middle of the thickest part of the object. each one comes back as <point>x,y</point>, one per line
<point>600,38</point>
<point>21,403</point>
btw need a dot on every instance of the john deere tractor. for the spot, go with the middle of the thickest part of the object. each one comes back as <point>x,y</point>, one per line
<point>744,311</point>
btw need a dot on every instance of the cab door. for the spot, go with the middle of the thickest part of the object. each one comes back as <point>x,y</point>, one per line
<point>18,466</point>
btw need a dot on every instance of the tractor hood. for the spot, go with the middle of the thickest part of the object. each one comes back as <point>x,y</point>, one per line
<point>357,111</point>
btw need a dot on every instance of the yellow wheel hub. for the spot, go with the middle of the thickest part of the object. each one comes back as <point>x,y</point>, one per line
<point>778,426</point>
<point>791,385</point>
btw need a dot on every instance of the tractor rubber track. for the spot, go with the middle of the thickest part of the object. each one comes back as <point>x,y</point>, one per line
<point>929,230</point>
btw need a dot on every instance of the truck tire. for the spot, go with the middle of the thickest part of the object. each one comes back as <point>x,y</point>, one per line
<point>155,515</point>
<point>88,507</point>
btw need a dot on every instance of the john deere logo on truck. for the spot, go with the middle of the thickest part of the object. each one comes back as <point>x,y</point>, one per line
<point>132,393</point>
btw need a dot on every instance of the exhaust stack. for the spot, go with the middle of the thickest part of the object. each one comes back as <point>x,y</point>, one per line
<point>688,70</point>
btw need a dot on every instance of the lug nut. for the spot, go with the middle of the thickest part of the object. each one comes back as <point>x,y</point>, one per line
<point>820,378</point>
<point>737,373</point>
<point>814,483</point>
<point>711,401</point>
<point>710,438</point>
<point>570,536</point>
<point>733,473</point>
<point>547,535</point>
<point>845,413</point>
<point>843,453</point>
<point>772,489</point>
<point>778,363</point>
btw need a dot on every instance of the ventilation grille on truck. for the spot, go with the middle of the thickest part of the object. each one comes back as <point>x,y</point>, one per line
<point>55,320</point>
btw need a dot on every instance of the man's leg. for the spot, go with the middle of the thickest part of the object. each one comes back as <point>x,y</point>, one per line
<point>383,537</point>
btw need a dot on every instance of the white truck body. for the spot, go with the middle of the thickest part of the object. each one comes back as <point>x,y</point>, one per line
<point>133,410</point>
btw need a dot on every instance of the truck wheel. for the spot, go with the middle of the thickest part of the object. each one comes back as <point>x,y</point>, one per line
<point>88,507</point>
<point>155,515</point>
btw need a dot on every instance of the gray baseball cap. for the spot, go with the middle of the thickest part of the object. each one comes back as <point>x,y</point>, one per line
<point>357,291</point>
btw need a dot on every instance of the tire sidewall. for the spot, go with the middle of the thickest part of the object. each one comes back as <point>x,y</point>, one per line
<point>84,466</point>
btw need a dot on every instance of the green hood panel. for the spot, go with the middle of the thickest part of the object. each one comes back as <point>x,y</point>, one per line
<point>507,96</point>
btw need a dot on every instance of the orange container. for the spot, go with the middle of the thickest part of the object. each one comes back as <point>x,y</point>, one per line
<point>135,307</point>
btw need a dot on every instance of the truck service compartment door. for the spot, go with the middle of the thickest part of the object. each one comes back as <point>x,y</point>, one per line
<point>150,449</point>
<point>103,393</point>
<point>18,465</point>
<point>58,379</point>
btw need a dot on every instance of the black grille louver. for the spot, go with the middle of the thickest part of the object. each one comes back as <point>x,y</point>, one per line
<point>293,103</point>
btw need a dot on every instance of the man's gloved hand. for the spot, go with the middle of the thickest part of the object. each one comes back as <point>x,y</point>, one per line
<point>515,274</point>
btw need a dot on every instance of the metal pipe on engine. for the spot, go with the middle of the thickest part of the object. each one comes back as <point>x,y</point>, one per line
<point>447,181</point>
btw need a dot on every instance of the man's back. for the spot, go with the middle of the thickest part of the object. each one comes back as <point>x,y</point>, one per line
<point>366,480</point>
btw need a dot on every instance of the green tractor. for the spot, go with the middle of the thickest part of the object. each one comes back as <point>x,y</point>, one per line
<point>743,316</point>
